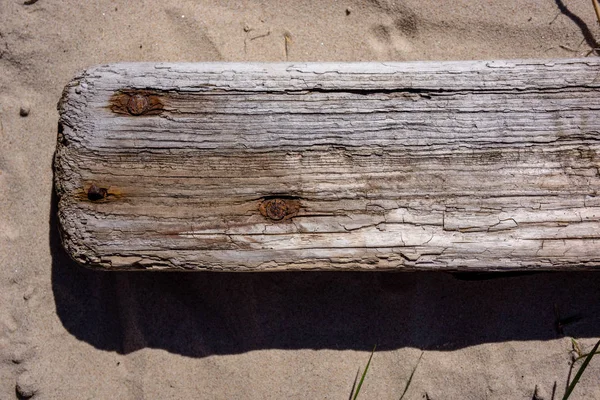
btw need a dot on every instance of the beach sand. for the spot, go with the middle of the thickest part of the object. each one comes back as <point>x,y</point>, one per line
<point>70,333</point>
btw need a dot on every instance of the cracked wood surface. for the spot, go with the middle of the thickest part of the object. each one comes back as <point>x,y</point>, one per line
<point>487,165</point>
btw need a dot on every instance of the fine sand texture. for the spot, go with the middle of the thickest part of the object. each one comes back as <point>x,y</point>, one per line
<point>70,333</point>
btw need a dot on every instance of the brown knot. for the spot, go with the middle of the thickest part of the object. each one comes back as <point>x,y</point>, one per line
<point>137,104</point>
<point>278,209</point>
<point>96,193</point>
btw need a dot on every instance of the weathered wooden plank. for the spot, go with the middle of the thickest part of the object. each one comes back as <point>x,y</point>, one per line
<point>488,165</point>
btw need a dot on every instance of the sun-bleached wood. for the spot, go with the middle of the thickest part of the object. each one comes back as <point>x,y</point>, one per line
<point>486,165</point>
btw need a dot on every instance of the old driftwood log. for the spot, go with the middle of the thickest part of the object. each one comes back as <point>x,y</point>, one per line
<point>488,165</point>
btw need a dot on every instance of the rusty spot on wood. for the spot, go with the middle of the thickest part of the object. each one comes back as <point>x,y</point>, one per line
<point>96,193</point>
<point>279,208</point>
<point>99,193</point>
<point>276,209</point>
<point>136,102</point>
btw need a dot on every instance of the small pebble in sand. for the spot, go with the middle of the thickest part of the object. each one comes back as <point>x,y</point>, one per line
<point>348,11</point>
<point>26,386</point>
<point>24,111</point>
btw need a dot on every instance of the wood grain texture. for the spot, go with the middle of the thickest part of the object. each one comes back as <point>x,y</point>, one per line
<point>488,165</point>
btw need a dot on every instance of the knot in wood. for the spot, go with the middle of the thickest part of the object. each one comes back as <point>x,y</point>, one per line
<point>137,104</point>
<point>96,193</point>
<point>276,209</point>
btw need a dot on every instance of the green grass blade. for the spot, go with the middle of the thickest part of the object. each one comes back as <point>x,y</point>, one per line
<point>362,378</point>
<point>585,355</point>
<point>411,376</point>
<point>576,347</point>
<point>587,360</point>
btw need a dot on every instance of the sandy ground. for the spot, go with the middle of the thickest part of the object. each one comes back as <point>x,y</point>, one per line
<point>70,333</point>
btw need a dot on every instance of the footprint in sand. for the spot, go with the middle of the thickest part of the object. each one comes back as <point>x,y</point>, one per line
<point>393,41</point>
